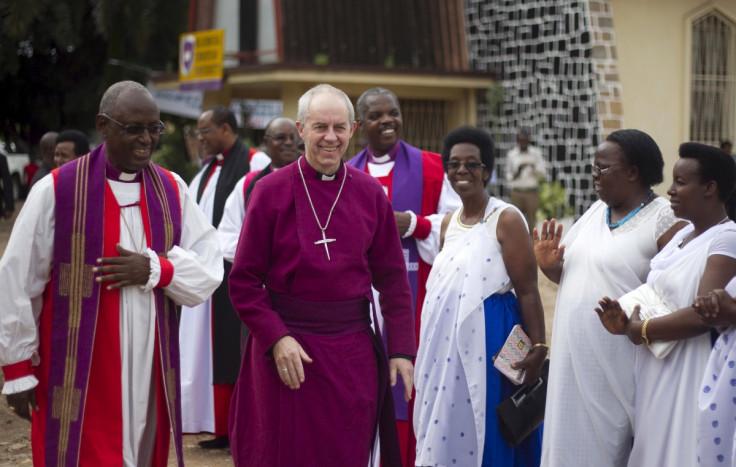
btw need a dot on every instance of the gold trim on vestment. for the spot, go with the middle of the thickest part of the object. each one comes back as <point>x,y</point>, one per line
<point>77,282</point>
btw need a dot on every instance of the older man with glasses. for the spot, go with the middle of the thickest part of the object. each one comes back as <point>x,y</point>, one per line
<point>99,257</point>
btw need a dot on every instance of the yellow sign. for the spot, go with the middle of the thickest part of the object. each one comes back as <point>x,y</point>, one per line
<point>200,60</point>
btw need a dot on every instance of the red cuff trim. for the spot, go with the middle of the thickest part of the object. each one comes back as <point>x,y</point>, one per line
<point>17,370</point>
<point>167,272</point>
<point>423,228</point>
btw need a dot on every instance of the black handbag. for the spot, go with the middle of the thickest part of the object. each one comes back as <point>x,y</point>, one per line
<point>522,412</point>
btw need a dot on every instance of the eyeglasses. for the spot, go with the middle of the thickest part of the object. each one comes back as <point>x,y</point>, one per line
<point>597,171</point>
<point>203,131</point>
<point>471,165</point>
<point>137,130</point>
<point>281,139</point>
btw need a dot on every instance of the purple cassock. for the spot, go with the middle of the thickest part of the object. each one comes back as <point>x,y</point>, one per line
<point>324,304</point>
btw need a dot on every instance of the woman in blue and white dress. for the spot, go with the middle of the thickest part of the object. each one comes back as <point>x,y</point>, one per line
<point>717,397</point>
<point>483,282</point>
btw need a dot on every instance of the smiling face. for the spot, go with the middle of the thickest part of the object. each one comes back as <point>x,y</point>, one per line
<point>130,153</point>
<point>326,132</point>
<point>64,152</point>
<point>610,184</point>
<point>282,142</point>
<point>467,182</point>
<point>211,137</point>
<point>687,192</point>
<point>381,122</point>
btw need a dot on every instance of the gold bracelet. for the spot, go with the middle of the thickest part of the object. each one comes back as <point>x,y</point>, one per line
<point>644,337</point>
<point>540,344</point>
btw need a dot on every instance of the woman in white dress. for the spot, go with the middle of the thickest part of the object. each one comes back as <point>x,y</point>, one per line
<point>483,282</point>
<point>700,257</point>
<point>589,414</point>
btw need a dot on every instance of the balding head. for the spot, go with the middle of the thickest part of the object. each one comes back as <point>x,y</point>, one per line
<point>109,101</point>
<point>282,142</point>
<point>48,145</point>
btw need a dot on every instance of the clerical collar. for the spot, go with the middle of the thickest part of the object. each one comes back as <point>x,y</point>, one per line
<point>390,156</point>
<point>319,175</point>
<point>221,157</point>
<point>113,173</point>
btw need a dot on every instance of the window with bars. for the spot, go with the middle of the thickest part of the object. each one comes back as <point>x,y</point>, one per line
<point>424,126</point>
<point>425,123</point>
<point>713,79</point>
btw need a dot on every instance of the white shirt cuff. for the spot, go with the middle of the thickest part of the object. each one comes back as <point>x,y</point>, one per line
<point>412,225</point>
<point>155,275</point>
<point>19,385</point>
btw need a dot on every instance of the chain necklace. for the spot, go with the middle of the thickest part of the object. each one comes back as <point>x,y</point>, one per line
<point>466,226</point>
<point>613,225</point>
<point>324,240</point>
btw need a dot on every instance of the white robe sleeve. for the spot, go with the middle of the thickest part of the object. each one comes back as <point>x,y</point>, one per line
<point>197,260</point>
<point>25,269</point>
<point>449,201</point>
<point>232,221</point>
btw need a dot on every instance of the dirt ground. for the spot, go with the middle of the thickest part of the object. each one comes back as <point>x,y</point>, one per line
<point>15,441</point>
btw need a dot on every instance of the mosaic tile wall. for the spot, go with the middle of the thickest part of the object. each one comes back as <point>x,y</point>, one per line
<point>542,52</point>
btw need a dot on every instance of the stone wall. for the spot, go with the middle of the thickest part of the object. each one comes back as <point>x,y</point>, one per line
<point>610,108</point>
<point>542,52</point>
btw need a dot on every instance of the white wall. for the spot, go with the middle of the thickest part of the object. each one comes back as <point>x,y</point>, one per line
<point>652,43</point>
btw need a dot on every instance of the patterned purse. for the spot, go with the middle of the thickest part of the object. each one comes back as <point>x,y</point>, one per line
<point>514,350</point>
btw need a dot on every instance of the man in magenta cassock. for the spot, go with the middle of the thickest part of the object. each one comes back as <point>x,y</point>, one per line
<point>315,381</point>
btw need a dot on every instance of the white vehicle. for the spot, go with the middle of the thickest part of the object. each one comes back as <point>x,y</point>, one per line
<point>16,163</point>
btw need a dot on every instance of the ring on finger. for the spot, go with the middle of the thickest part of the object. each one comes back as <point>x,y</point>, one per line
<point>284,369</point>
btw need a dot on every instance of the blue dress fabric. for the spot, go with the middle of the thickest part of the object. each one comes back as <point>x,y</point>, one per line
<point>502,313</point>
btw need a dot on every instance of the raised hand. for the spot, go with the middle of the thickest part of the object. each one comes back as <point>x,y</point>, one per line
<point>547,249</point>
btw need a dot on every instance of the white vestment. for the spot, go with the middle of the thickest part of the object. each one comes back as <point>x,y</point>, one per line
<point>25,270</point>
<point>195,336</point>
<point>589,412</point>
<point>195,325</point>
<point>665,432</point>
<point>231,223</point>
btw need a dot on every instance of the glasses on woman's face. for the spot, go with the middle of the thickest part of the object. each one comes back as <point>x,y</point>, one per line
<point>597,171</point>
<point>471,166</point>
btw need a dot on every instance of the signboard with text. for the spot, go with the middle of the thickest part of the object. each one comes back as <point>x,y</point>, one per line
<point>200,60</point>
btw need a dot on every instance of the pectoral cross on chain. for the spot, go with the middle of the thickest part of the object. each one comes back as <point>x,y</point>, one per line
<point>324,242</point>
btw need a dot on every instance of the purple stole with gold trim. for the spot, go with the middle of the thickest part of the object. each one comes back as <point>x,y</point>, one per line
<point>78,242</point>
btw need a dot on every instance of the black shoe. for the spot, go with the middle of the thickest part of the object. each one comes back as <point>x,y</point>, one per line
<point>221,442</point>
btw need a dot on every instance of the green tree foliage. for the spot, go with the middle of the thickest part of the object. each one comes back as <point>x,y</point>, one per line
<point>553,201</point>
<point>172,152</point>
<point>54,57</point>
